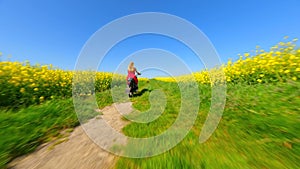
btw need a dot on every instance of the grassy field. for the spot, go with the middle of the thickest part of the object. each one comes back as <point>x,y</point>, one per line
<point>259,129</point>
<point>23,130</point>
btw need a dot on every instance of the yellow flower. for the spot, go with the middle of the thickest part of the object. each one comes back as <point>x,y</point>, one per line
<point>22,90</point>
<point>259,80</point>
<point>287,71</point>
<point>247,54</point>
<point>36,89</point>
<point>298,69</point>
<point>294,78</point>
<point>41,98</point>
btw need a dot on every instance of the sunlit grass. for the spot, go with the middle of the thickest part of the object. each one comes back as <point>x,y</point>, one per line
<point>23,130</point>
<point>259,129</point>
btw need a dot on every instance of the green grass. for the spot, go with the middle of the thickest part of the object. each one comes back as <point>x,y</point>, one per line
<point>259,129</point>
<point>23,130</point>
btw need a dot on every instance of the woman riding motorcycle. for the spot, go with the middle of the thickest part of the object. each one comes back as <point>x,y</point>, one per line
<point>131,77</point>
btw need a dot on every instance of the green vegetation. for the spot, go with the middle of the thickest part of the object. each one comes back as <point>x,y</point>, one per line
<point>259,129</point>
<point>23,130</point>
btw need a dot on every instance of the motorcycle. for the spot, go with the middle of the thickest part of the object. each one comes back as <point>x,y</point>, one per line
<point>132,86</point>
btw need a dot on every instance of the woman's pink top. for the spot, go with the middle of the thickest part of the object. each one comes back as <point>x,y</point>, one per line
<point>132,75</point>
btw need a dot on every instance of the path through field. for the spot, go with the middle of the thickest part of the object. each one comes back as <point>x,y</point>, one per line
<point>79,151</point>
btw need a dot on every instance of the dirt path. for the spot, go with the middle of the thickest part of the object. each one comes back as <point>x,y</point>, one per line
<point>79,152</point>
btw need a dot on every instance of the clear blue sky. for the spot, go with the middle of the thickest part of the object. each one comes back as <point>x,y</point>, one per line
<point>54,31</point>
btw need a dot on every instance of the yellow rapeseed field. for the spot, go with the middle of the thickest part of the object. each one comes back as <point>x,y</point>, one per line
<point>22,83</point>
<point>281,63</point>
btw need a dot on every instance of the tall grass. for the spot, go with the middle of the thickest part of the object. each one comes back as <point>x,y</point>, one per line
<point>259,129</point>
<point>23,130</point>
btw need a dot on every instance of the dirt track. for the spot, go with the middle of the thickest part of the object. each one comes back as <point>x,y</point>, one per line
<point>79,152</point>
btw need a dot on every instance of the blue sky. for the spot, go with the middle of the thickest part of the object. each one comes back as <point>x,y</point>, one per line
<point>52,31</point>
